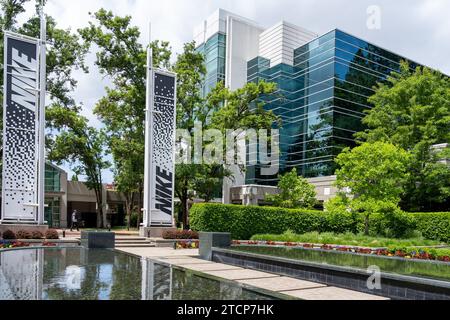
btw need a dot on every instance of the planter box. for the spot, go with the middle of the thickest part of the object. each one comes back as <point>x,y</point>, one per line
<point>97,239</point>
<point>209,240</point>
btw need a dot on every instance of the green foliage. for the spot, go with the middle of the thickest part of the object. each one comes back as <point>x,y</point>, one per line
<point>122,58</point>
<point>412,111</point>
<point>81,146</point>
<point>244,222</point>
<point>191,107</point>
<point>434,225</point>
<point>133,219</point>
<point>373,172</point>
<point>295,192</point>
<point>348,239</point>
<point>241,109</point>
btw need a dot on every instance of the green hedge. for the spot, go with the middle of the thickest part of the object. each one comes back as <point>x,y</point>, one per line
<point>434,226</point>
<point>243,222</point>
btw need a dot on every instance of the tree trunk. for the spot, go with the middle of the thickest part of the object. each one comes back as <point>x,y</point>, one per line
<point>128,209</point>
<point>366,225</point>
<point>185,209</point>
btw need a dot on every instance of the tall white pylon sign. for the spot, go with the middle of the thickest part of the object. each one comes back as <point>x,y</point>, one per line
<point>160,121</point>
<point>24,128</point>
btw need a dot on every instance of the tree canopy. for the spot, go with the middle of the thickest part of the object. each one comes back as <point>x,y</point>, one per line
<point>295,192</point>
<point>412,111</point>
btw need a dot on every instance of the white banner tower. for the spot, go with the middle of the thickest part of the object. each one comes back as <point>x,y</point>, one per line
<point>159,171</point>
<point>23,172</point>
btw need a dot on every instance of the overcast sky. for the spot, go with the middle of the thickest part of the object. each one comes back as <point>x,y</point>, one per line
<point>416,29</point>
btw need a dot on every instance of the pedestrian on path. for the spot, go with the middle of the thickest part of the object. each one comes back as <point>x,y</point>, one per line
<point>74,221</point>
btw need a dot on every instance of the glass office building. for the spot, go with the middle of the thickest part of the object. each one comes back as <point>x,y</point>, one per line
<point>321,100</point>
<point>53,193</point>
<point>214,52</point>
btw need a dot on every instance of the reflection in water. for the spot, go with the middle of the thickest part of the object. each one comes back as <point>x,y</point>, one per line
<point>81,274</point>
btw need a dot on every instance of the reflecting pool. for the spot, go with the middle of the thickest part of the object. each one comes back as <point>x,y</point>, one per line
<point>82,274</point>
<point>427,269</point>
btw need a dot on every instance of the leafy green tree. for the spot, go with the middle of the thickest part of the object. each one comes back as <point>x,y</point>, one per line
<point>125,181</point>
<point>122,58</point>
<point>412,111</point>
<point>201,179</point>
<point>242,108</point>
<point>81,146</point>
<point>295,192</point>
<point>374,173</point>
<point>65,54</point>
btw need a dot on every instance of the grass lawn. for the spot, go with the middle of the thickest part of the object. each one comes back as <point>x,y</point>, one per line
<point>348,239</point>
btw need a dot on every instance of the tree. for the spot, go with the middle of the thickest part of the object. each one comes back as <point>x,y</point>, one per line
<point>82,147</point>
<point>190,69</point>
<point>242,108</point>
<point>374,173</point>
<point>412,111</point>
<point>122,110</point>
<point>65,53</point>
<point>295,192</point>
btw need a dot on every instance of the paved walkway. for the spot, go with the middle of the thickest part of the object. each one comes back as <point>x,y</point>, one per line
<point>305,290</point>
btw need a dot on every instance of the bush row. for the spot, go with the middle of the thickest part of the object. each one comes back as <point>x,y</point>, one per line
<point>244,222</point>
<point>180,234</point>
<point>24,235</point>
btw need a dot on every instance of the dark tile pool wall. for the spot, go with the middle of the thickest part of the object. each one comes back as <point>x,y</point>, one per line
<point>393,288</point>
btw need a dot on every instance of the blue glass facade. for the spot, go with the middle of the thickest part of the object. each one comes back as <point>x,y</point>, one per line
<point>214,51</point>
<point>321,100</point>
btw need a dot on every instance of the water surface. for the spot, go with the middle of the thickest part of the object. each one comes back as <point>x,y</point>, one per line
<point>428,269</point>
<point>82,274</point>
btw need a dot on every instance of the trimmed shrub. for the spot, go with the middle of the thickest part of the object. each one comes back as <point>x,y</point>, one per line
<point>23,234</point>
<point>243,222</point>
<point>51,234</point>
<point>246,221</point>
<point>435,225</point>
<point>37,235</point>
<point>9,235</point>
<point>396,224</point>
<point>180,234</point>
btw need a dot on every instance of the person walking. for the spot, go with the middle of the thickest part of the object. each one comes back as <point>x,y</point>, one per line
<point>74,221</point>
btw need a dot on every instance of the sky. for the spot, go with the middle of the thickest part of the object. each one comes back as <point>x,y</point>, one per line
<point>416,29</point>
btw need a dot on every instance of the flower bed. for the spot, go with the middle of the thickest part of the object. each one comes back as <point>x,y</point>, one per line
<point>13,244</point>
<point>7,244</point>
<point>187,244</point>
<point>403,252</point>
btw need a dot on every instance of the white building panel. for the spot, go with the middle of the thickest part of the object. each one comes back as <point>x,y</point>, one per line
<point>279,42</point>
<point>242,46</point>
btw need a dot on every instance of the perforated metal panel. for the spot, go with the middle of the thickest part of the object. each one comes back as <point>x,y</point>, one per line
<point>163,148</point>
<point>19,190</point>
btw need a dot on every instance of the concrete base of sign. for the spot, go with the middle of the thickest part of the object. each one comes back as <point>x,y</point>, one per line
<point>97,239</point>
<point>25,227</point>
<point>209,240</point>
<point>154,232</point>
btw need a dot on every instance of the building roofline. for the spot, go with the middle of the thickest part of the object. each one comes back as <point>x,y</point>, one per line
<point>54,166</point>
<point>381,47</point>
